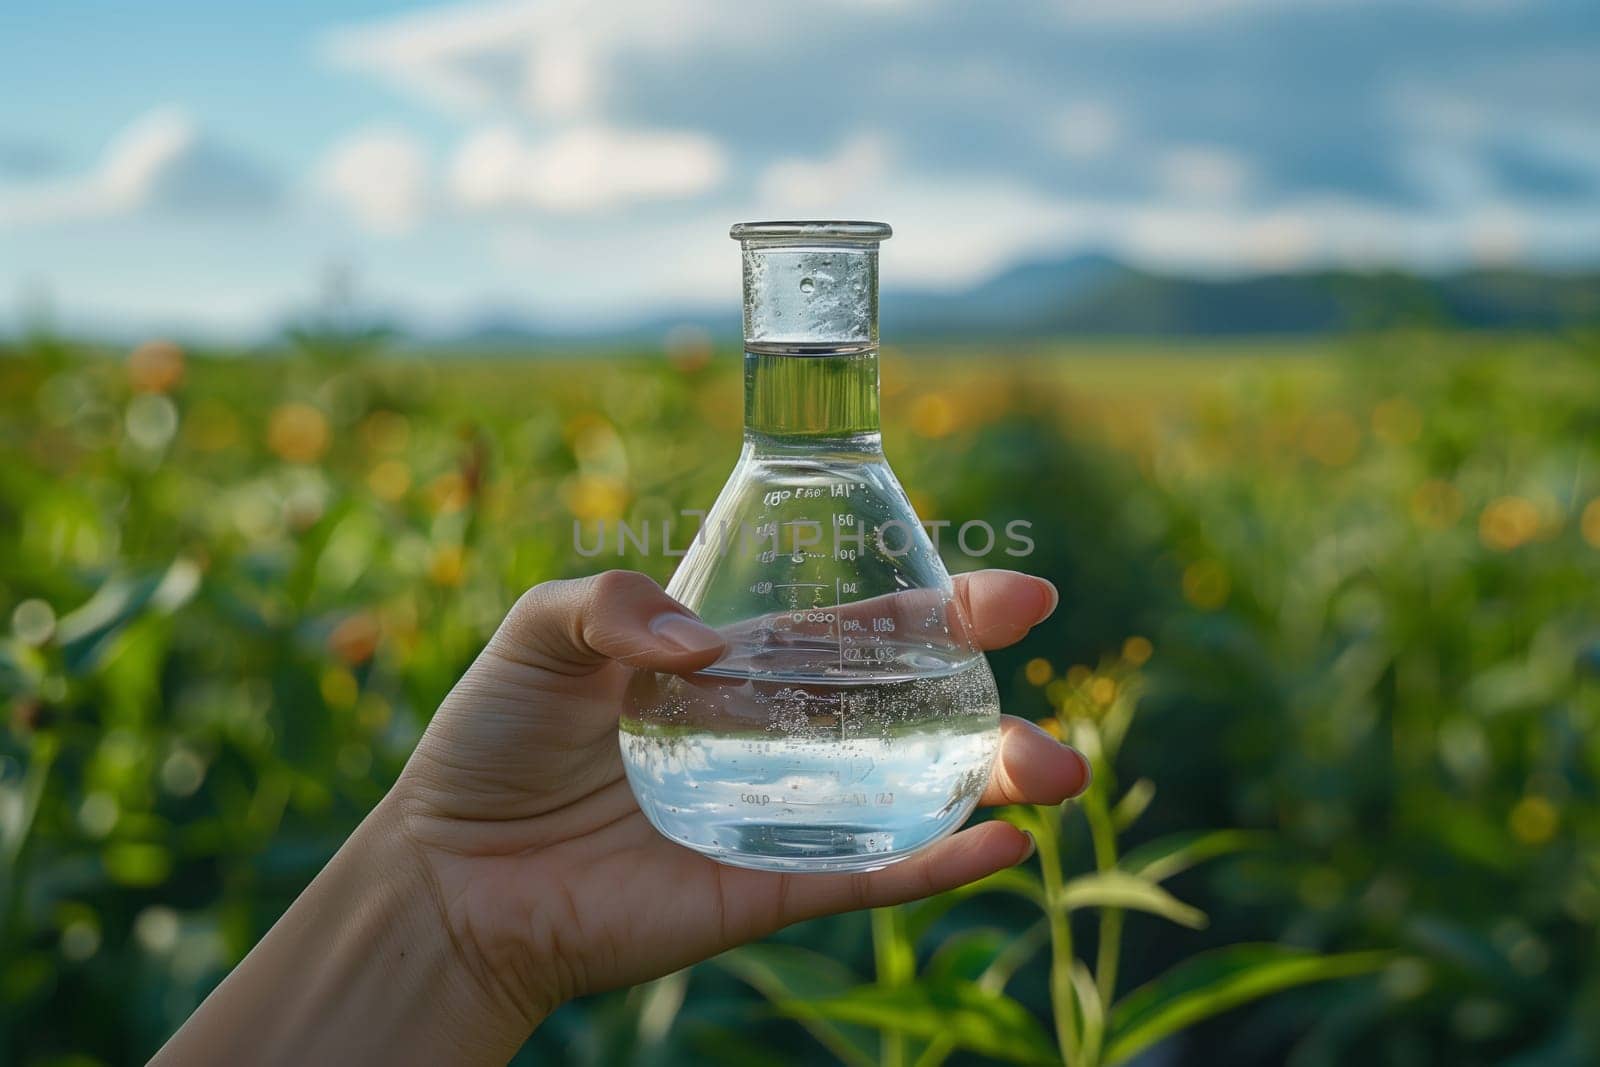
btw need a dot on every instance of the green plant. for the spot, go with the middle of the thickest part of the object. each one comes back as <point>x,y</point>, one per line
<point>957,1000</point>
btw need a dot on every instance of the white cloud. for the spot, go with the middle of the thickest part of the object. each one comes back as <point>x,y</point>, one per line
<point>792,185</point>
<point>1203,173</point>
<point>553,59</point>
<point>1160,13</point>
<point>1087,130</point>
<point>585,169</point>
<point>381,176</point>
<point>161,160</point>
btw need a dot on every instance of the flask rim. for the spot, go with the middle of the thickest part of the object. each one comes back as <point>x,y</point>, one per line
<point>817,231</point>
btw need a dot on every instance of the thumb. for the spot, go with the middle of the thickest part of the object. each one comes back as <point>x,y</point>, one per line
<point>574,626</point>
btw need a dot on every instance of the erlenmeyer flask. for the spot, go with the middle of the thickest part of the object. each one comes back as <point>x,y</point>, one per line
<point>851,720</point>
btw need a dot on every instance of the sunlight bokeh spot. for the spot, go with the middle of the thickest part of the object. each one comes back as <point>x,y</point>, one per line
<point>595,497</point>
<point>389,480</point>
<point>339,688</point>
<point>448,493</point>
<point>355,639</point>
<point>1590,523</point>
<point>1508,522</point>
<point>1103,691</point>
<point>933,415</point>
<point>151,421</point>
<point>298,433</point>
<point>1534,820</point>
<point>447,566</point>
<point>156,367</point>
<point>33,621</point>
<point>1332,438</point>
<point>1137,650</point>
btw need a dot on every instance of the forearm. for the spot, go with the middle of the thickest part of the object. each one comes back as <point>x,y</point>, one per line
<point>361,969</point>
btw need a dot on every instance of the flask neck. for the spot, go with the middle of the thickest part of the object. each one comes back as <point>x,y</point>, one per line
<point>821,398</point>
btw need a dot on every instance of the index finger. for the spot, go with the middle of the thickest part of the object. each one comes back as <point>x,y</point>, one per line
<point>1000,607</point>
<point>985,610</point>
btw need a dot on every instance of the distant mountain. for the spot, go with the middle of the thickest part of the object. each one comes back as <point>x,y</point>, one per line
<point>1096,295</point>
<point>1010,302</point>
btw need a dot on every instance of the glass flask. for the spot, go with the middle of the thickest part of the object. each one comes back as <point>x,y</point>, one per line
<point>851,720</point>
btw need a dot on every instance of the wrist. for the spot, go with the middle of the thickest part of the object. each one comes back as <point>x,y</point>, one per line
<point>363,968</point>
<point>476,1006</point>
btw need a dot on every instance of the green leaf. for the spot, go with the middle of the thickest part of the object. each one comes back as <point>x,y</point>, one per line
<point>1164,857</point>
<point>961,1013</point>
<point>1214,982</point>
<point>84,633</point>
<point>966,955</point>
<point>1133,803</point>
<point>1092,1011</point>
<point>1019,951</point>
<point>787,972</point>
<point>1119,889</point>
<point>1026,817</point>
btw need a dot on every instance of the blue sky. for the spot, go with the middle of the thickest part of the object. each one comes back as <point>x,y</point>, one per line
<point>206,166</point>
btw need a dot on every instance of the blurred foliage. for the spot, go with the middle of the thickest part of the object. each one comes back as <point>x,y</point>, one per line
<point>957,1000</point>
<point>232,590</point>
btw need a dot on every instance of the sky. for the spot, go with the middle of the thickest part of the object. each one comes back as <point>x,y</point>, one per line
<point>218,167</point>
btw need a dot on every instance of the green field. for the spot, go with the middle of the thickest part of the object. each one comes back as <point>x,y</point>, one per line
<point>1340,594</point>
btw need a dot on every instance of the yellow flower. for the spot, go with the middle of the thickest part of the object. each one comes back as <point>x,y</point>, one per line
<point>156,367</point>
<point>448,566</point>
<point>1332,438</point>
<point>594,497</point>
<point>389,480</point>
<point>932,415</point>
<point>298,433</point>
<point>355,639</point>
<point>1508,522</point>
<point>448,493</point>
<point>1137,650</point>
<point>1534,820</point>
<point>1590,524</point>
<point>1103,691</point>
<point>339,688</point>
<point>1039,671</point>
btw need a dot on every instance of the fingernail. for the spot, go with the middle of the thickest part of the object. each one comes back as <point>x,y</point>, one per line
<point>1033,846</point>
<point>1088,770</point>
<point>1053,599</point>
<point>684,633</point>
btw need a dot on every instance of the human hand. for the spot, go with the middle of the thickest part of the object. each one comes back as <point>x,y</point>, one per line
<point>549,880</point>
<point>510,869</point>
